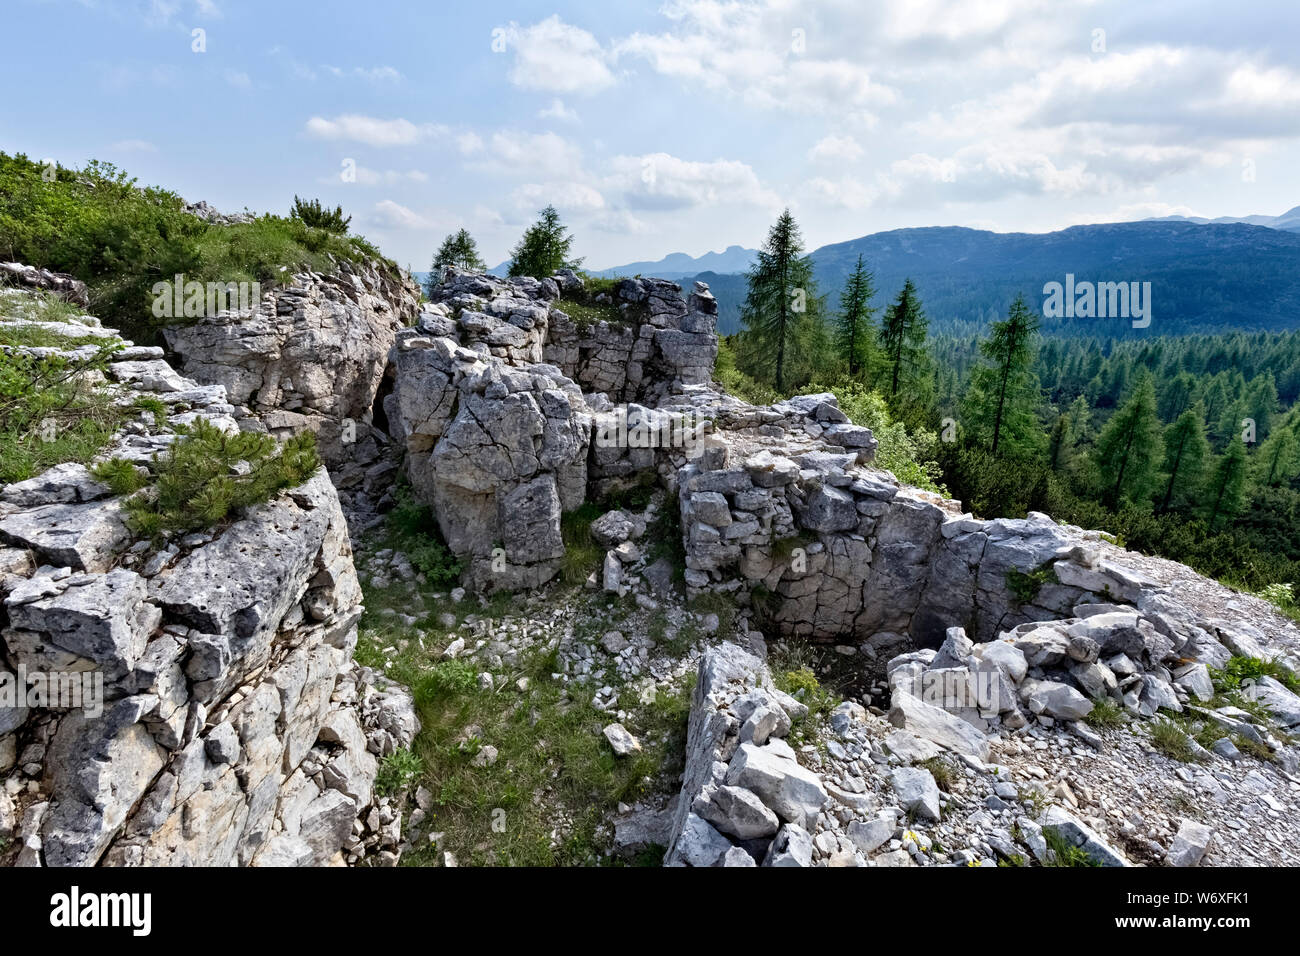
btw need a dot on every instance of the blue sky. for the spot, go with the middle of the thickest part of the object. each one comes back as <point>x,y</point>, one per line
<point>678,126</point>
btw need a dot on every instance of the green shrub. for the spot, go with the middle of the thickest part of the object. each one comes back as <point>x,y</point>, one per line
<point>121,476</point>
<point>319,217</point>
<point>413,530</point>
<point>1241,669</point>
<point>52,412</point>
<point>447,679</point>
<point>205,474</point>
<point>908,455</point>
<point>1026,586</point>
<point>121,238</point>
<point>397,771</point>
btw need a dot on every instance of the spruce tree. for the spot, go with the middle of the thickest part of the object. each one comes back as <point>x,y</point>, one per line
<point>458,251</point>
<point>1226,490</point>
<point>1129,448</point>
<point>1187,452</point>
<point>781,318</point>
<point>544,248</point>
<point>855,338</point>
<point>1003,395</point>
<point>902,342</point>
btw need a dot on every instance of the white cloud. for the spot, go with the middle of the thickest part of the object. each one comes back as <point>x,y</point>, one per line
<point>370,130</point>
<point>557,57</point>
<point>396,216</point>
<point>558,111</point>
<point>845,193</point>
<point>763,54</point>
<point>835,149</point>
<point>565,196</point>
<point>379,177</point>
<point>133,146</point>
<point>374,74</point>
<point>516,153</point>
<point>662,181</point>
<point>239,79</point>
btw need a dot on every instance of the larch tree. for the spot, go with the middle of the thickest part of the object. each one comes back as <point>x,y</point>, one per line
<point>1130,448</point>
<point>781,315</point>
<point>1001,403</point>
<point>1187,452</point>
<point>903,330</point>
<point>855,335</point>
<point>1225,492</point>
<point>544,248</point>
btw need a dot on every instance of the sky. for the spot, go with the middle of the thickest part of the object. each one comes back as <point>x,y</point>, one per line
<point>683,126</point>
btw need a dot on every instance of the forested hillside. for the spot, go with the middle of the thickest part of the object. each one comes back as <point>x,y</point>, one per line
<point>1181,443</point>
<point>1204,278</point>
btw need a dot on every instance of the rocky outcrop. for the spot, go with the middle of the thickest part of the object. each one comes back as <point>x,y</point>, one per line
<point>311,356</point>
<point>190,705</point>
<point>500,452</point>
<point>492,406</point>
<point>29,277</point>
<point>745,798</point>
<point>652,340</point>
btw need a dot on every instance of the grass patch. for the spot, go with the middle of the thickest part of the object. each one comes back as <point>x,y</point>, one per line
<point>1172,741</point>
<point>553,764</point>
<point>589,314</point>
<point>31,336</point>
<point>1239,670</point>
<point>581,554</point>
<point>941,771</point>
<point>1105,714</point>
<point>1064,852</point>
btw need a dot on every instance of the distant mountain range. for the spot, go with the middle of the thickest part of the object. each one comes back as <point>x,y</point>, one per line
<point>679,265</point>
<point>1206,275</point>
<point>1289,220</point>
<point>1204,278</point>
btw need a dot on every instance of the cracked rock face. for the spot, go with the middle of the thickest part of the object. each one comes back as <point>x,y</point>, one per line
<point>221,719</point>
<point>500,452</point>
<point>495,395</point>
<point>311,356</point>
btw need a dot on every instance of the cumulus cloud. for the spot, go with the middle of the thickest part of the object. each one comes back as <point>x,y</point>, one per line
<point>558,111</point>
<point>365,176</point>
<point>557,57</point>
<point>564,196</point>
<point>663,181</point>
<point>836,149</point>
<point>517,153</point>
<point>396,216</point>
<point>370,130</point>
